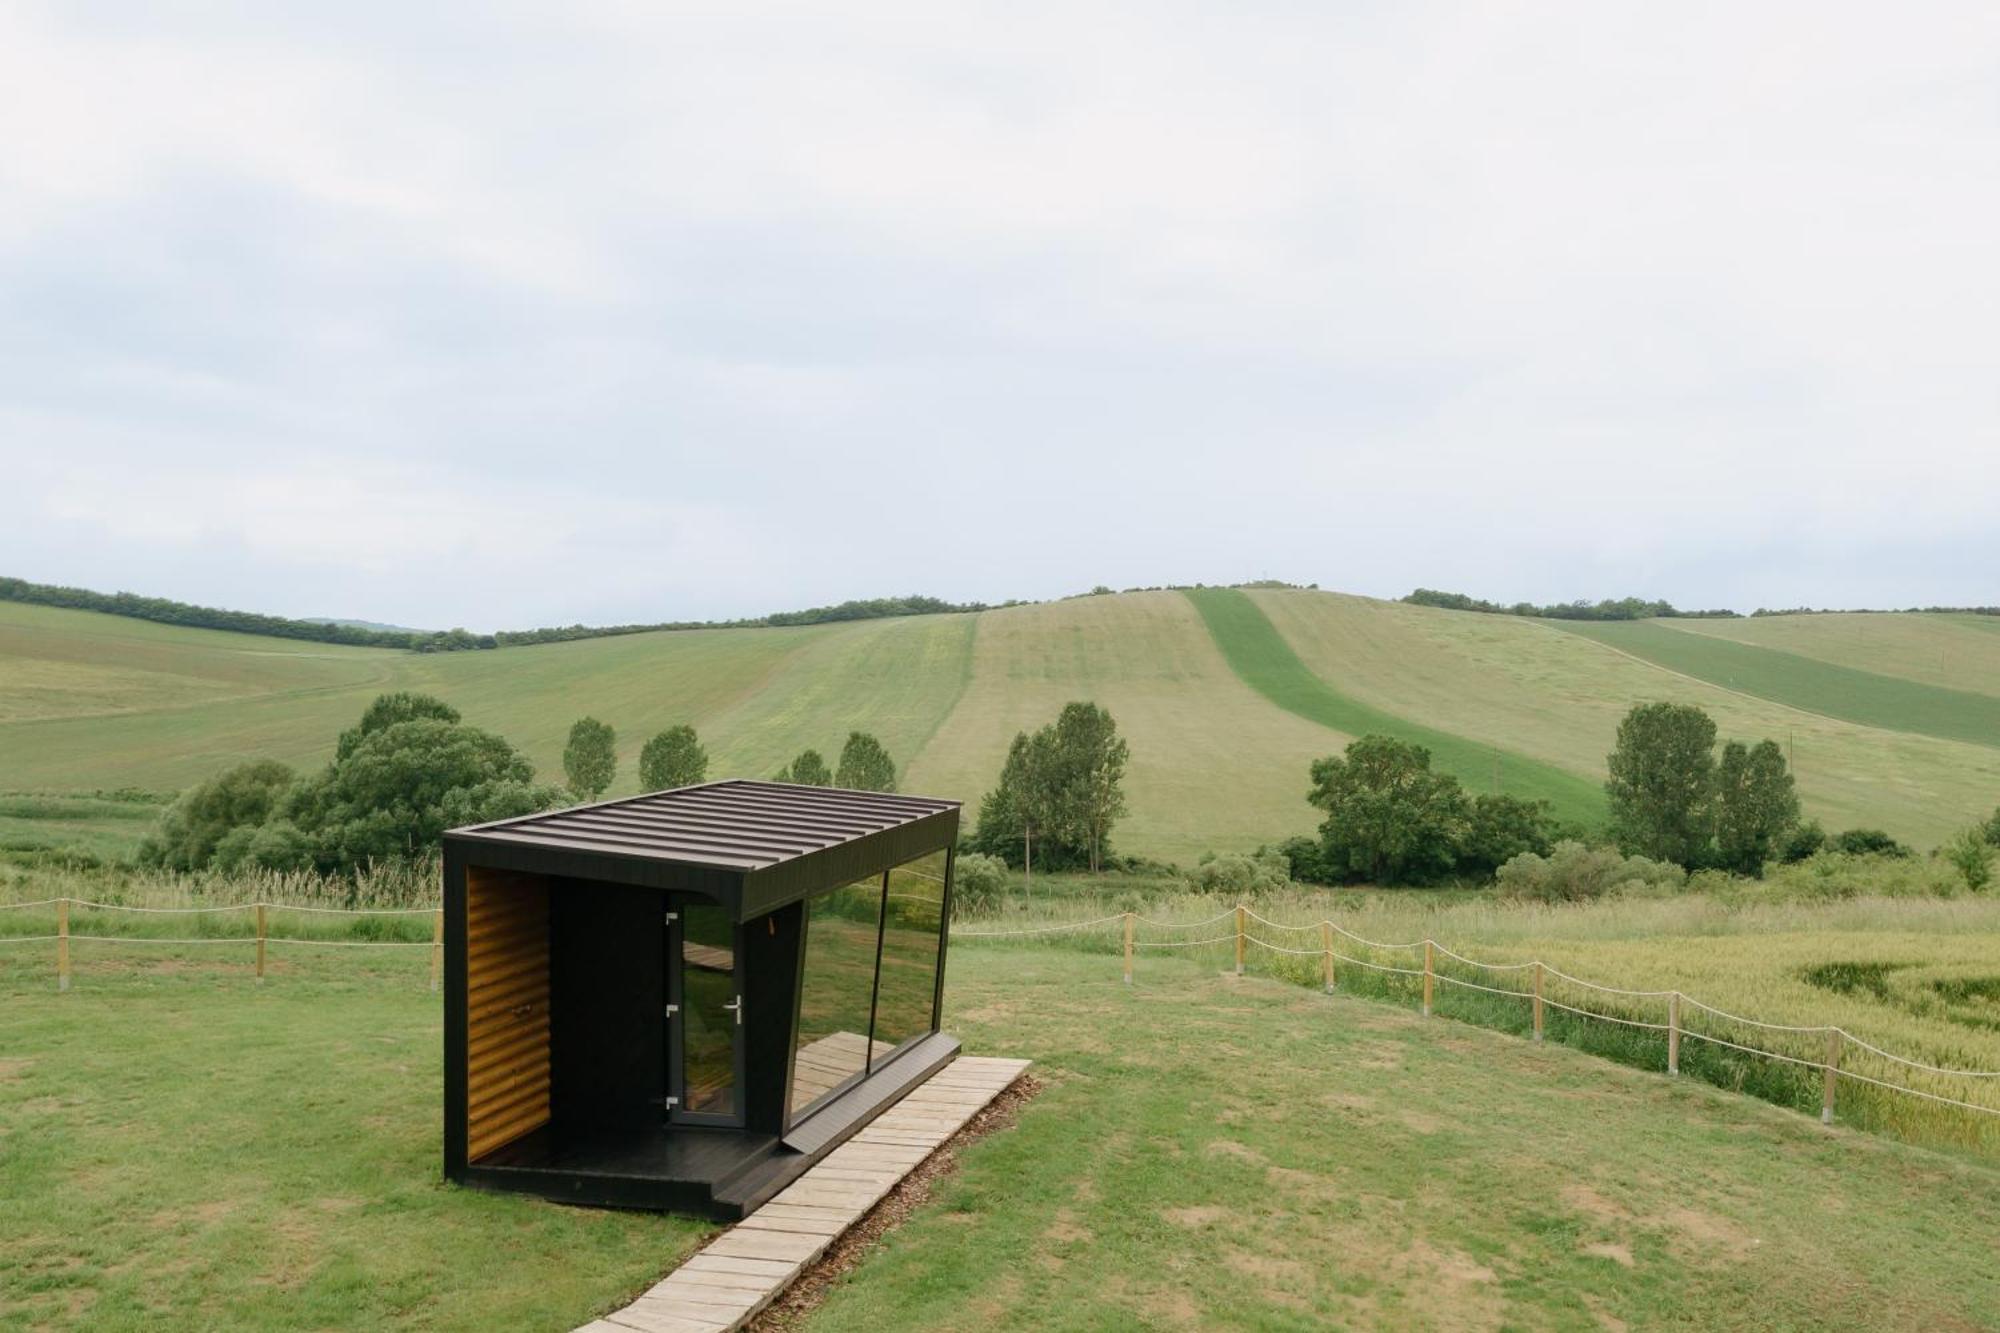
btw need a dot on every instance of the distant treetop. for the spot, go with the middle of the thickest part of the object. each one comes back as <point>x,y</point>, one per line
<point>1638,608</point>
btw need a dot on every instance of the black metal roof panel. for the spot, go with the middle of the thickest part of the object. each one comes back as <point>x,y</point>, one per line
<point>770,842</point>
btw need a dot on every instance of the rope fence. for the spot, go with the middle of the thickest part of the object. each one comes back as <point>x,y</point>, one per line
<point>262,937</point>
<point>1837,1050</point>
<point>1833,1061</point>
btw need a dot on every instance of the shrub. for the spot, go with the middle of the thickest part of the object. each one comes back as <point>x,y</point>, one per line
<point>1972,857</point>
<point>1868,842</point>
<point>977,883</point>
<point>1576,873</point>
<point>1804,840</point>
<point>1501,828</point>
<point>1237,874</point>
<point>196,826</point>
<point>1304,861</point>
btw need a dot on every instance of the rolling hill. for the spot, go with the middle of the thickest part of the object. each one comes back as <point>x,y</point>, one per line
<point>1226,696</point>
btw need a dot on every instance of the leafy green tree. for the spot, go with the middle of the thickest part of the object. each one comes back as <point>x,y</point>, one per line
<point>1500,828</point>
<point>1390,817</point>
<point>1991,829</point>
<point>674,758</point>
<point>205,816</point>
<point>1756,806</point>
<point>393,796</point>
<point>590,760</point>
<point>388,710</point>
<point>808,770</point>
<point>1662,782</point>
<point>1019,813</point>
<point>1087,782</point>
<point>865,765</point>
<point>1972,856</point>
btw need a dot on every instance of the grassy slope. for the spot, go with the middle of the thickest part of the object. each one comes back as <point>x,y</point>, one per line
<point>187,1151</point>
<point>1806,683</point>
<point>1213,764</point>
<point>1527,687</point>
<point>1264,659</point>
<point>90,702</point>
<point>1953,652</point>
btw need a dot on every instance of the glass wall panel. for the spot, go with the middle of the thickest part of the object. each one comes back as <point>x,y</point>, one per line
<point>837,991</point>
<point>912,922</point>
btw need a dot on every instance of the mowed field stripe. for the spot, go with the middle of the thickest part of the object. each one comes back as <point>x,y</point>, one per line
<point>1809,684</point>
<point>1266,662</point>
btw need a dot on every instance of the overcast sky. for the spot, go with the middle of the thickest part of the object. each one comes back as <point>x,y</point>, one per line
<point>513,315</point>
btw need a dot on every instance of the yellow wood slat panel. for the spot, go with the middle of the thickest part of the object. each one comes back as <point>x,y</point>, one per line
<point>507,1030</point>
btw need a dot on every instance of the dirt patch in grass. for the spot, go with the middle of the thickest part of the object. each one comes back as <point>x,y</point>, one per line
<point>11,1070</point>
<point>1204,1215</point>
<point>796,1304</point>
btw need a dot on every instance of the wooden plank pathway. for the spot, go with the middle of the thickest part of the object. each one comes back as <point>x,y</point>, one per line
<point>746,1267</point>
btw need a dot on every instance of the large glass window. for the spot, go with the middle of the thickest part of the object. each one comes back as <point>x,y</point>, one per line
<point>911,922</point>
<point>837,991</point>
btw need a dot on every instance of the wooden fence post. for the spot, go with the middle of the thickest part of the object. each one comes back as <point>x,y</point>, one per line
<point>261,933</point>
<point>1832,1065</point>
<point>437,948</point>
<point>1130,919</point>
<point>1242,928</point>
<point>62,944</point>
<point>1326,953</point>
<point>1430,975</point>
<point>1538,1000</point>
<point>1674,1036</point>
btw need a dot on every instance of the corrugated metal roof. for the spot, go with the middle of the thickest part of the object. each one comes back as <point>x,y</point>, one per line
<point>736,826</point>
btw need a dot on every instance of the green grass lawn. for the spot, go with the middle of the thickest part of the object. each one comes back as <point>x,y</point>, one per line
<point>1260,655</point>
<point>1957,652</point>
<point>181,1149</point>
<point>1811,684</point>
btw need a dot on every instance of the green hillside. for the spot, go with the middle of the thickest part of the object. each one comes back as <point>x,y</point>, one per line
<point>1226,696</point>
<point>1262,657</point>
<point>1810,684</point>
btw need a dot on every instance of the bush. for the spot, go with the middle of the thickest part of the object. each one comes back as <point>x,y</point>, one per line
<point>226,808</point>
<point>1868,842</point>
<point>1240,875</point>
<point>1804,840</point>
<point>1576,873</point>
<point>1304,862</point>
<point>1972,857</point>
<point>977,883</point>
<point>1835,875</point>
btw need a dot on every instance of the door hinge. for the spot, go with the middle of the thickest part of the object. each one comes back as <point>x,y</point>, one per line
<point>673,1009</point>
<point>670,1102</point>
<point>673,917</point>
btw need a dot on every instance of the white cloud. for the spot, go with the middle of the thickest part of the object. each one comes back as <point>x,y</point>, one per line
<point>1177,291</point>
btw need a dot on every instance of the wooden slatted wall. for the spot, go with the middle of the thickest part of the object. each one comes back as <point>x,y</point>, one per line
<point>507,1007</point>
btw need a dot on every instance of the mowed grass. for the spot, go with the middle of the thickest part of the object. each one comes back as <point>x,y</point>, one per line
<point>1213,1153</point>
<point>180,1149</point>
<point>185,1150</point>
<point>91,702</point>
<point>108,828</point>
<point>1214,764</point>
<point>1262,657</point>
<point>1953,652</point>
<point>1811,684</point>
<point>1528,687</point>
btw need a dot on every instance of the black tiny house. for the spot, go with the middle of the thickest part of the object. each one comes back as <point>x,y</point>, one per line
<point>683,1000</point>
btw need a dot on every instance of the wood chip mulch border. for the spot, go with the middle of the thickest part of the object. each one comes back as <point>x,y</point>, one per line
<point>810,1288</point>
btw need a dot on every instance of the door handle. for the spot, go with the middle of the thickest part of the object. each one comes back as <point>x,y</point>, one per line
<point>735,1006</point>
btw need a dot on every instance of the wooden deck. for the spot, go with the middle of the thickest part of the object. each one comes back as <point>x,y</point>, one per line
<point>745,1268</point>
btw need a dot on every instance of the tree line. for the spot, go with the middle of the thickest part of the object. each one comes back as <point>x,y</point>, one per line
<point>166,611</point>
<point>1674,800</point>
<point>1640,608</point>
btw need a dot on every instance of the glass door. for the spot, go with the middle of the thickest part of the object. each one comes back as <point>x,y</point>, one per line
<point>705,1024</point>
